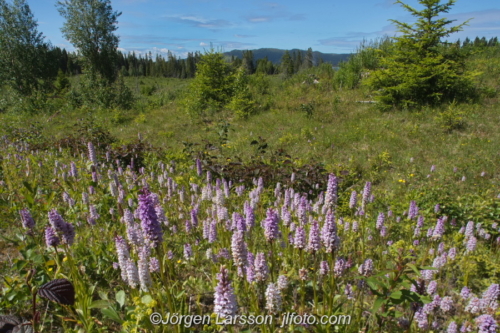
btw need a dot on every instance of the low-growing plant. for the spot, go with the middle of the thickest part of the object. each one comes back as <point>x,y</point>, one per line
<point>148,90</point>
<point>307,109</point>
<point>452,118</point>
<point>93,91</point>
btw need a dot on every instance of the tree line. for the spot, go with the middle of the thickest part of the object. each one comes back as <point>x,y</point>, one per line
<point>29,64</point>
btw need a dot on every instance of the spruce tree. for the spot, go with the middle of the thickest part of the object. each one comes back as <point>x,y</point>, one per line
<point>212,87</point>
<point>286,64</point>
<point>418,69</point>
<point>308,60</point>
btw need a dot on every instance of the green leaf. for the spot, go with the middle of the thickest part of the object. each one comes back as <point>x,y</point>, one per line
<point>20,264</point>
<point>50,198</point>
<point>29,198</point>
<point>398,314</point>
<point>372,283</point>
<point>410,295</point>
<point>425,299</point>
<point>378,303</point>
<point>29,254</point>
<point>28,186</point>
<point>396,295</point>
<point>99,304</point>
<point>11,295</point>
<point>120,298</point>
<point>38,259</point>
<point>103,295</point>
<point>112,314</point>
<point>179,295</point>
<point>414,268</point>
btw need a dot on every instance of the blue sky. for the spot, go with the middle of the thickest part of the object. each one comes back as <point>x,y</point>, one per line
<point>328,26</point>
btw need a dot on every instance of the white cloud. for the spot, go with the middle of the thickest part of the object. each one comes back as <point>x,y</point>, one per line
<point>243,36</point>
<point>259,19</point>
<point>194,18</point>
<point>203,44</point>
<point>200,22</point>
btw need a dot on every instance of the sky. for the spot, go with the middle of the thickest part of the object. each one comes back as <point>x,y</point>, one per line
<point>332,26</point>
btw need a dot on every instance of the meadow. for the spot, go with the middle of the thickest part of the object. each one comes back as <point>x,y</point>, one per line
<point>317,205</point>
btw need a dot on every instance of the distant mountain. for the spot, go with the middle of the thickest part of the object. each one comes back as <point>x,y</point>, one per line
<point>274,55</point>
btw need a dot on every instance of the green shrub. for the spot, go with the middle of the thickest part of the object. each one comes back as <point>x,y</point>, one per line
<point>94,91</point>
<point>259,83</point>
<point>117,116</point>
<point>123,97</point>
<point>241,102</point>
<point>148,90</point>
<point>307,109</point>
<point>62,82</point>
<point>451,119</point>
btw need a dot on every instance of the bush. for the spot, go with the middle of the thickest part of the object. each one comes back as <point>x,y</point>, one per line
<point>94,91</point>
<point>148,90</point>
<point>451,119</point>
<point>259,83</point>
<point>307,109</point>
<point>36,103</point>
<point>241,102</point>
<point>62,82</point>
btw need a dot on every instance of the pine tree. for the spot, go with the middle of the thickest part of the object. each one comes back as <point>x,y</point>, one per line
<point>418,69</point>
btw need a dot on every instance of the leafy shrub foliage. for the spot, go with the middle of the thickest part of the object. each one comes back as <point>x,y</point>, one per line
<point>94,91</point>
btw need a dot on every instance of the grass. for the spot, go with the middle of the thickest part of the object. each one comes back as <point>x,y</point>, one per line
<point>338,131</point>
